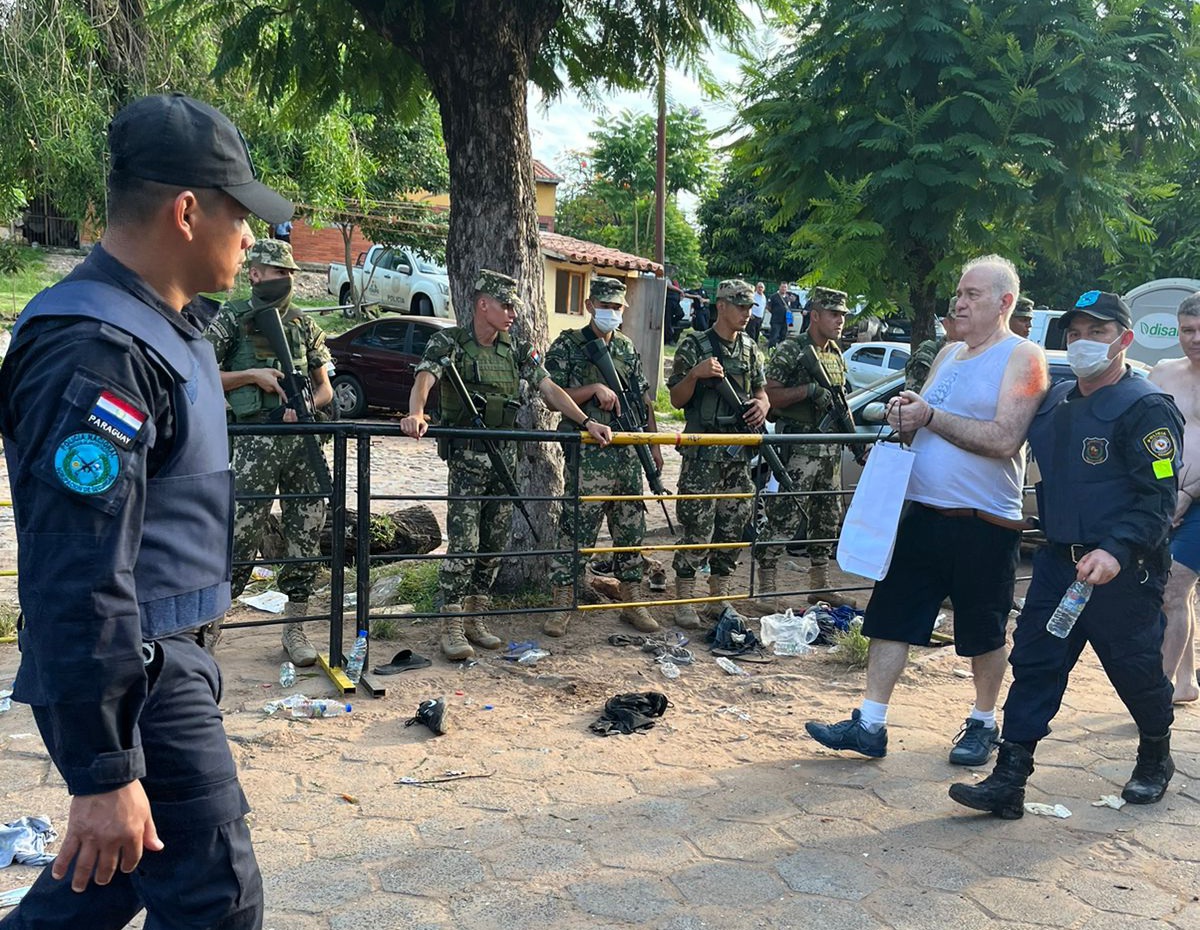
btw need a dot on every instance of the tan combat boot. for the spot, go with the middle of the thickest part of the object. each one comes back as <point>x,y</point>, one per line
<point>818,578</point>
<point>473,626</point>
<point>560,610</point>
<point>685,614</point>
<point>767,582</point>
<point>295,643</point>
<point>454,643</point>
<point>718,586</point>
<point>637,617</point>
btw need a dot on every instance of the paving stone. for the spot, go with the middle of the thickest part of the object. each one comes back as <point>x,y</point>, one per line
<point>532,856</point>
<point>732,840</point>
<point>805,911</point>
<point>905,908</point>
<point>1040,903</point>
<point>650,849</point>
<point>624,896</point>
<point>432,872</point>
<point>1124,894</point>
<point>460,828</point>
<point>364,844</point>
<point>829,874</point>
<point>316,885</point>
<point>509,907</point>
<point>389,911</point>
<point>729,884</point>
<point>918,867</point>
<point>1170,840</point>
<point>275,919</point>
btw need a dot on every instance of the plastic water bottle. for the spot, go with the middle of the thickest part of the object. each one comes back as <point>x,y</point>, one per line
<point>730,666</point>
<point>1069,609</point>
<point>318,707</point>
<point>358,655</point>
<point>287,675</point>
<point>669,669</point>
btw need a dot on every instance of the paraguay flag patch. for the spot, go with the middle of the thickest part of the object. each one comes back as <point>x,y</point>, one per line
<point>119,420</point>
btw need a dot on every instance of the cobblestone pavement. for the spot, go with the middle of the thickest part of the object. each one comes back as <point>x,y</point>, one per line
<point>725,815</point>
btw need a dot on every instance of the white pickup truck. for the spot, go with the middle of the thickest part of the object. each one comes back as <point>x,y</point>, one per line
<point>395,278</point>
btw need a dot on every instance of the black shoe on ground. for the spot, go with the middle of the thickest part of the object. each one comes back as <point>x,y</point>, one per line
<point>431,713</point>
<point>851,735</point>
<point>1001,794</point>
<point>1153,771</point>
<point>975,743</point>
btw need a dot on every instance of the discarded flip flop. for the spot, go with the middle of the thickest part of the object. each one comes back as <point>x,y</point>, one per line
<point>626,639</point>
<point>753,655</point>
<point>402,661</point>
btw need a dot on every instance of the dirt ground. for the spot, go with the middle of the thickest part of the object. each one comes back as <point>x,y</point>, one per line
<point>724,815</point>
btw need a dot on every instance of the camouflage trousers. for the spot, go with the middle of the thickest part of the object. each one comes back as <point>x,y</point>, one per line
<point>812,468</point>
<point>475,526</point>
<point>711,470</point>
<point>264,465</point>
<point>614,470</point>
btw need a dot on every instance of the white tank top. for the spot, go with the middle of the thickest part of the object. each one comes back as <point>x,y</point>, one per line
<point>946,476</point>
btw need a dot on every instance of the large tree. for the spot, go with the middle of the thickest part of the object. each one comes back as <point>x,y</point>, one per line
<point>477,58</point>
<point>905,136</point>
<point>738,235</point>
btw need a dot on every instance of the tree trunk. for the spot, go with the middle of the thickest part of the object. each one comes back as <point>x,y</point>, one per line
<point>923,295</point>
<point>477,63</point>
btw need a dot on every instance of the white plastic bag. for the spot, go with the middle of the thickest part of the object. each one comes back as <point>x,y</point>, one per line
<point>869,531</point>
<point>790,634</point>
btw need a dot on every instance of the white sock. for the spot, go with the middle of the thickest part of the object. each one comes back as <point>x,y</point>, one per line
<point>987,716</point>
<point>873,716</point>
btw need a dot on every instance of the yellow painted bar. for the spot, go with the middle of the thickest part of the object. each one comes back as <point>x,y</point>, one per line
<point>336,675</point>
<point>733,596</point>
<point>8,574</point>
<point>680,439</point>
<point>665,547</point>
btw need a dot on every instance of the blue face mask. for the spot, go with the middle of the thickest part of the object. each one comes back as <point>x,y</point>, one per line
<point>605,319</point>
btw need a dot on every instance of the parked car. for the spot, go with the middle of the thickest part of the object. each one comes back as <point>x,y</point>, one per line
<point>374,362</point>
<point>867,362</point>
<point>396,278</point>
<point>866,406</point>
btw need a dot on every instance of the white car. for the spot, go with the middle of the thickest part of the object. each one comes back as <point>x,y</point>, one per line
<point>867,362</point>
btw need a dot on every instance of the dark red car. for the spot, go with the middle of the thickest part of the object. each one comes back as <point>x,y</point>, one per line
<point>374,363</point>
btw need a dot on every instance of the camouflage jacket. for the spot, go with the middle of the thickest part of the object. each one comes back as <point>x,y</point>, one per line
<point>916,369</point>
<point>743,365</point>
<point>569,367</point>
<point>792,366</point>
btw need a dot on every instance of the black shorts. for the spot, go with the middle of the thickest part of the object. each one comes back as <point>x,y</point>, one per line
<point>965,558</point>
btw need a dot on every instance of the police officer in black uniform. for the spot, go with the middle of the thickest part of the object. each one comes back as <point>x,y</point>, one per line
<point>114,428</point>
<point>1109,449</point>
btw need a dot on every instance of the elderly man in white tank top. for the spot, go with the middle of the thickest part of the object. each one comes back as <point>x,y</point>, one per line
<point>960,532</point>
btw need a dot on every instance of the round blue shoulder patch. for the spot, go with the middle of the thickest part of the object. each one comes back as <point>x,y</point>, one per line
<point>86,463</point>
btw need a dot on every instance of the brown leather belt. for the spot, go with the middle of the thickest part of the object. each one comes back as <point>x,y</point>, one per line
<point>1027,524</point>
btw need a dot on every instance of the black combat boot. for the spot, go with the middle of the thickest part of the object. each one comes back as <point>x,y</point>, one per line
<point>1003,792</point>
<point>1153,771</point>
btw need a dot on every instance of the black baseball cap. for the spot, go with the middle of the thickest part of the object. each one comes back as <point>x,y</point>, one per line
<point>173,139</point>
<point>1101,305</point>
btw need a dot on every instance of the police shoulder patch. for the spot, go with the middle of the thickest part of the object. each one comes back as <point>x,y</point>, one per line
<point>1160,443</point>
<point>87,463</point>
<point>1095,450</point>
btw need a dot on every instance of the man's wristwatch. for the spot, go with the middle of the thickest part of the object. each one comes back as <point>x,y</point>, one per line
<point>586,421</point>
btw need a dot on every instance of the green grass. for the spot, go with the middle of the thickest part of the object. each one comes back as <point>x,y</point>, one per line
<point>852,647</point>
<point>16,290</point>
<point>8,619</point>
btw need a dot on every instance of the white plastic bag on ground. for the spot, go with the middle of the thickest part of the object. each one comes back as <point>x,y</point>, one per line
<point>790,634</point>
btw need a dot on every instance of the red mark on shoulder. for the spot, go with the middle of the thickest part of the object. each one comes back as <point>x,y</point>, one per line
<point>1032,378</point>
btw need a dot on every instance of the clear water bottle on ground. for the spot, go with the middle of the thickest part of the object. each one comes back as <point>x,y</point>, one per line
<point>1069,609</point>
<point>669,669</point>
<point>319,707</point>
<point>730,666</point>
<point>358,655</point>
<point>287,675</point>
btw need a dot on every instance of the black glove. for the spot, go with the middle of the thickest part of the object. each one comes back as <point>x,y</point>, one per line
<point>821,397</point>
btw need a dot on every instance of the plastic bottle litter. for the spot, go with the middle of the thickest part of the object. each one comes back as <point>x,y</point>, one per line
<point>790,633</point>
<point>531,656</point>
<point>791,648</point>
<point>1068,610</point>
<point>287,675</point>
<point>669,669</point>
<point>5,701</point>
<point>318,707</point>
<point>730,666</point>
<point>358,655</point>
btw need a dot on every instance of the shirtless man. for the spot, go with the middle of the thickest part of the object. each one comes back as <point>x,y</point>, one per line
<point>1180,377</point>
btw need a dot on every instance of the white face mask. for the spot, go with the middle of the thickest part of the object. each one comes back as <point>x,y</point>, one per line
<point>1088,357</point>
<point>605,319</point>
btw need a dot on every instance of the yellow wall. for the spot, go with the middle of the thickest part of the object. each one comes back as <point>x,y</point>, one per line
<point>558,322</point>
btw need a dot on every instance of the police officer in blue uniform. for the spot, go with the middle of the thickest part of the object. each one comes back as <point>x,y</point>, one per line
<point>1109,449</point>
<point>114,429</point>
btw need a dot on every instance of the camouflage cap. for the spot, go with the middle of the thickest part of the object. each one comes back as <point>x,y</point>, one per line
<point>608,290</point>
<point>736,291</point>
<point>826,298</point>
<point>271,252</point>
<point>1023,309</point>
<point>499,286</point>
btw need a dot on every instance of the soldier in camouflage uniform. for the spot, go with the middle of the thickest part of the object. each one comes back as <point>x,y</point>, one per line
<point>250,377</point>
<point>613,470</point>
<point>800,402</point>
<point>916,369</point>
<point>712,469</point>
<point>492,364</point>
<point>1021,320</point>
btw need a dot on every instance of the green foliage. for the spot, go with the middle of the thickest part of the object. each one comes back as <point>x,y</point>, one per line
<point>15,256</point>
<point>905,137</point>
<point>8,620</point>
<point>18,288</point>
<point>852,647</point>
<point>737,236</point>
<point>419,586</point>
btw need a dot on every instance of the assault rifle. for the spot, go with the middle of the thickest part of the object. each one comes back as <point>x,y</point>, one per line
<point>837,419</point>
<point>633,417</point>
<point>729,394</point>
<point>295,384</point>
<point>471,405</point>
